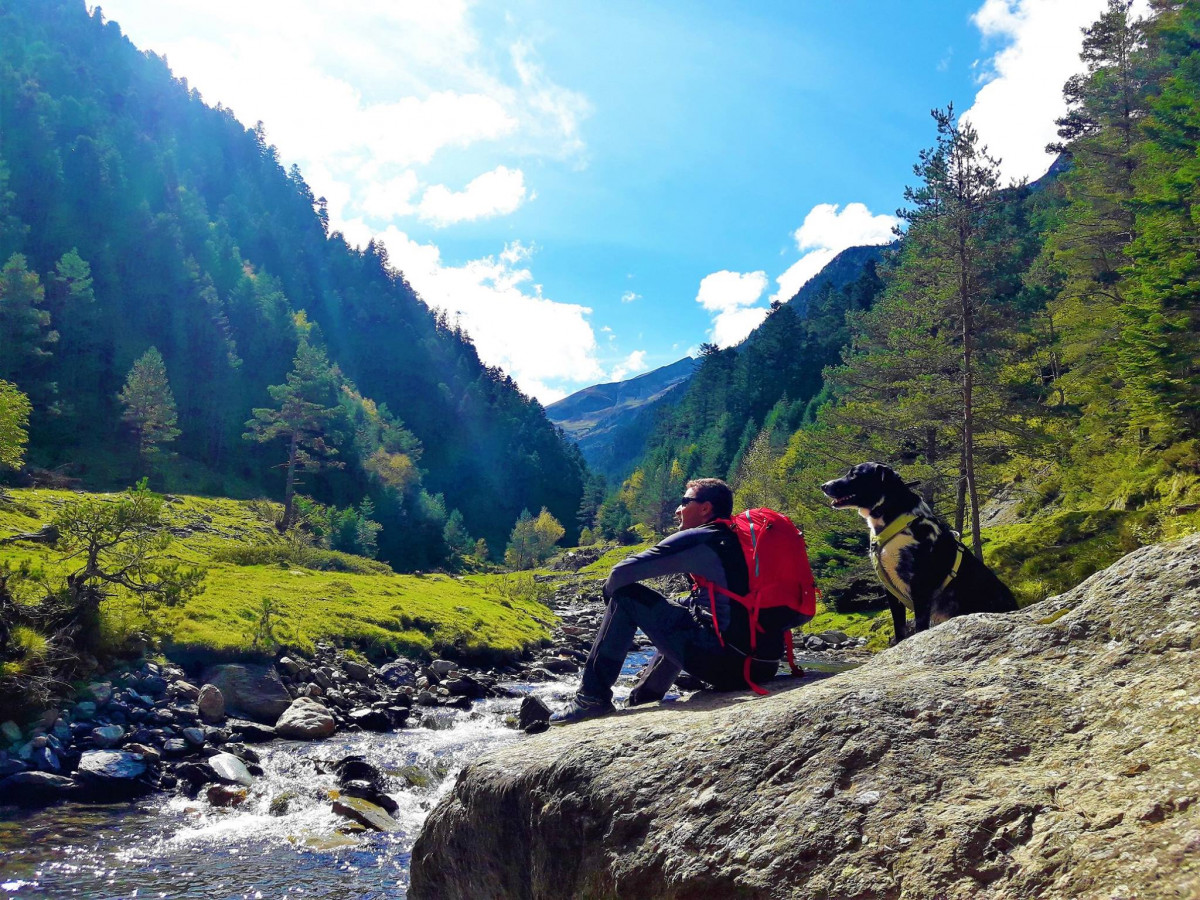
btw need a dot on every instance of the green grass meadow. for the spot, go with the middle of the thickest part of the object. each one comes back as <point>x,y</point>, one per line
<point>370,609</point>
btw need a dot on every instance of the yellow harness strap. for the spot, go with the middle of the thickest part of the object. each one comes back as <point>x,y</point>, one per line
<point>898,526</point>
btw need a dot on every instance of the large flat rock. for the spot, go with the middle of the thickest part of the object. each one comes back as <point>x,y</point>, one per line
<point>1049,753</point>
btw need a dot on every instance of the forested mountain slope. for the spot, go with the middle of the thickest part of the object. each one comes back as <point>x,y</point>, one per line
<point>597,416</point>
<point>1028,354</point>
<point>133,215</point>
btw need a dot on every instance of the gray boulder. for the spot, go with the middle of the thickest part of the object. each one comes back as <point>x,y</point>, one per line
<point>399,673</point>
<point>370,719</point>
<point>305,720</point>
<point>112,774</point>
<point>107,736</point>
<point>1046,753</point>
<point>534,714</point>
<point>365,813</point>
<point>254,691</point>
<point>35,788</point>
<point>229,769</point>
<point>211,704</point>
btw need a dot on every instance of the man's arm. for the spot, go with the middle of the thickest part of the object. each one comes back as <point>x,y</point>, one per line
<point>685,552</point>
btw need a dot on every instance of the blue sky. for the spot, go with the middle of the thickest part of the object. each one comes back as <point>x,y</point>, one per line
<point>595,189</point>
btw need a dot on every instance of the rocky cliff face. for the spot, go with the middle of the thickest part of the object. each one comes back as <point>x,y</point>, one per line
<point>1050,753</point>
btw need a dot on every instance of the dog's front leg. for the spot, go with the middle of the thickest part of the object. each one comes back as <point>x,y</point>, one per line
<point>922,608</point>
<point>899,622</point>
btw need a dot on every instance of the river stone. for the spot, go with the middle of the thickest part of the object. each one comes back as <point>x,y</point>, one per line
<point>11,766</point>
<point>251,732</point>
<point>35,788</point>
<point>253,690</point>
<point>399,673</point>
<point>11,731</point>
<point>370,719</point>
<point>107,736</point>
<point>533,712</point>
<point>111,768</point>
<point>466,686</point>
<point>558,665</point>
<point>175,747</point>
<point>364,813</point>
<point>280,803</point>
<point>291,666</point>
<point>46,760</point>
<point>101,691</point>
<point>194,736</point>
<point>211,704</point>
<point>230,769</point>
<point>356,768</point>
<point>1051,752</point>
<point>225,795</point>
<point>357,671</point>
<point>151,754</point>
<point>83,711</point>
<point>305,720</point>
<point>366,791</point>
<point>185,689</point>
<point>442,667</point>
<point>154,685</point>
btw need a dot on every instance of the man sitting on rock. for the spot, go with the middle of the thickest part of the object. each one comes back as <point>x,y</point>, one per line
<point>682,631</point>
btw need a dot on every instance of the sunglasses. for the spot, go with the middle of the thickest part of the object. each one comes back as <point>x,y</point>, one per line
<point>686,500</point>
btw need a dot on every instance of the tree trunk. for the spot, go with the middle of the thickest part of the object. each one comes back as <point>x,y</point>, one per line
<point>290,489</point>
<point>960,499</point>
<point>968,440</point>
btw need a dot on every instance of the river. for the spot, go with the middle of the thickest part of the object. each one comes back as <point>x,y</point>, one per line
<point>167,846</point>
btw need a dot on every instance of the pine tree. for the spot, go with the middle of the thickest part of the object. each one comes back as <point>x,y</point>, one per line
<point>1159,343</point>
<point>149,405</point>
<point>459,542</point>
<point>924,372</point>
<point>1086,253</point>
<point>521,552</point>
<point>306,411</point>
<point>14,425</point>
<point>25,333</point>
<point>71,301</point>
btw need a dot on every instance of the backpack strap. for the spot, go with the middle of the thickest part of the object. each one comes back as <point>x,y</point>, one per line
<point>788,644</point>
<point>712,608</point>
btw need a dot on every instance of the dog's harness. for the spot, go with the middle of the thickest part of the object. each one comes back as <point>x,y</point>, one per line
<point>898,526</point>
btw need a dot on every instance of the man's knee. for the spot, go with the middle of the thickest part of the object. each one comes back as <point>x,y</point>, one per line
<point>632,595</point>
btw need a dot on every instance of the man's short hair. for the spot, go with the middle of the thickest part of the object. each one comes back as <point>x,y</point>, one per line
<point>716,492</point>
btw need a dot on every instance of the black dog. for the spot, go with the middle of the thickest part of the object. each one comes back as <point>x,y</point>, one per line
<point>918,558</point>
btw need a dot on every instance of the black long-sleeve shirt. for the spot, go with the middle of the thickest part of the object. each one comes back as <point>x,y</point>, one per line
<point>711,551</point>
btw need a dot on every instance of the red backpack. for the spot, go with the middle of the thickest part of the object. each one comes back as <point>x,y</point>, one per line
<point>780,576</point>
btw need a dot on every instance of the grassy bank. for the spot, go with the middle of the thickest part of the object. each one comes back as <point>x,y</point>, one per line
<point>247,609</point>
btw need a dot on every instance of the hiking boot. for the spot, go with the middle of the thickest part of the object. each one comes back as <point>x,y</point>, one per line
<point>582,708</point>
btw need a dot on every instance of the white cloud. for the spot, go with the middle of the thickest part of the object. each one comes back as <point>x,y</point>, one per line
<point>1014,111</point>
<point>826,232</point>
<point>541,343</point>
<point>390,198</point>
<point>725,290</point>
<point>731,297</point>
<point>631,365</point>
<point>495,193</point>
<point>630,296</point>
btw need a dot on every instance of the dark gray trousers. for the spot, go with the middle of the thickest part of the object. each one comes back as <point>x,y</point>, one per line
<point>682,642</point>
